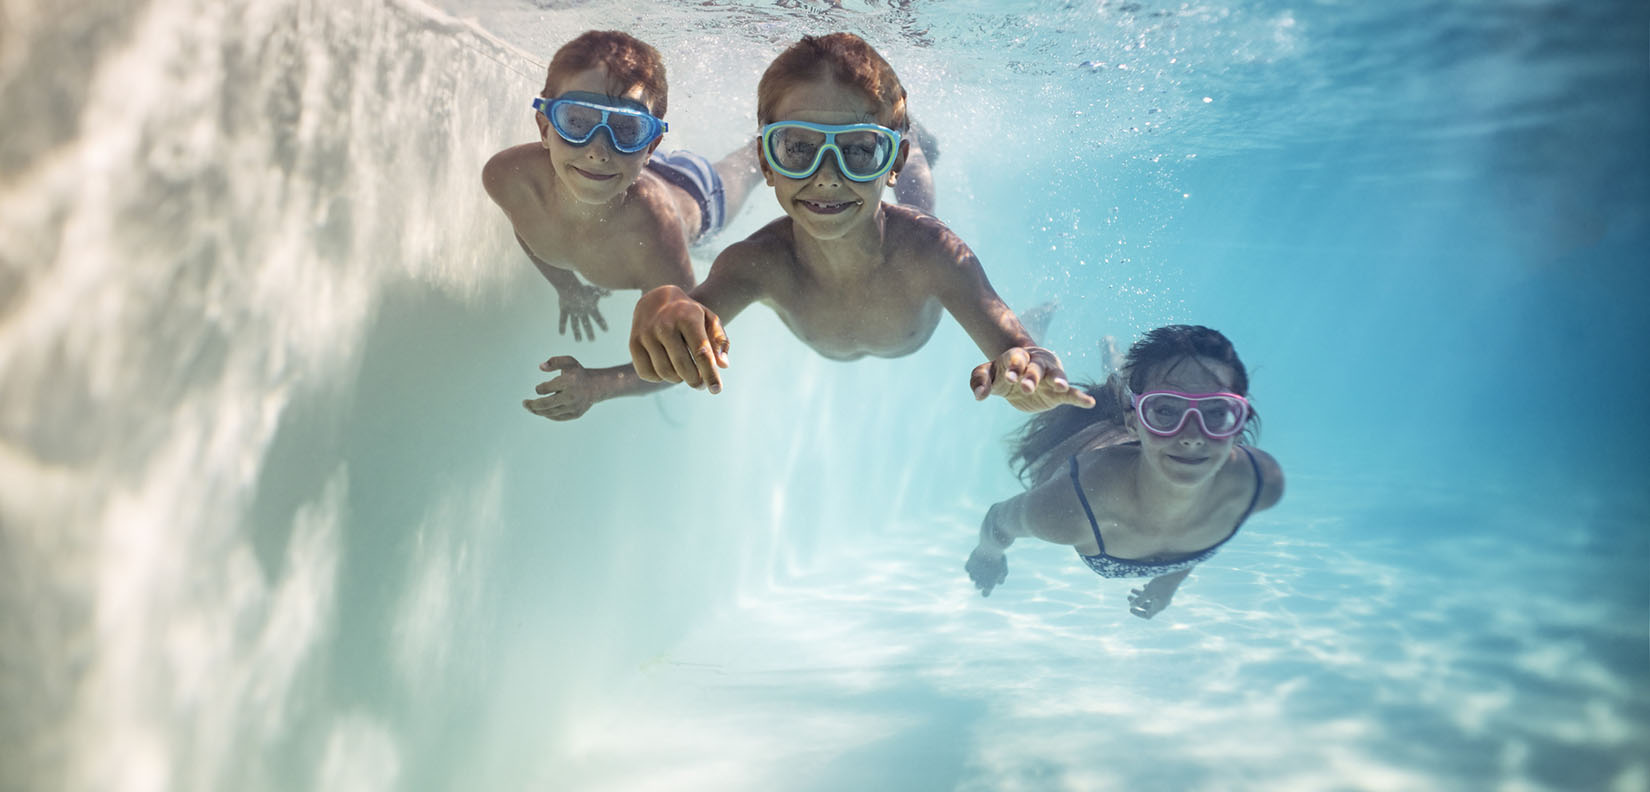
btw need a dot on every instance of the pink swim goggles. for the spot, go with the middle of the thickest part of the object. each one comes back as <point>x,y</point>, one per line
<point>1163,413</point>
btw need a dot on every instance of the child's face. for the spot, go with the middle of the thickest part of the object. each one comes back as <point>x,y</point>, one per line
<point>594,173</point>
<point>1190,456</point>
<point>825,205</point>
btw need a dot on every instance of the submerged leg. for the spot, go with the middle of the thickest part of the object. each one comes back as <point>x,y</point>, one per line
<point>1037,318</point>
<point>740,174</point>
<point>914,186</point>
<point>1110,357</point>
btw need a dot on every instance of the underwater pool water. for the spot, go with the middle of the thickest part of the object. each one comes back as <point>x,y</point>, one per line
<point>271,516</point>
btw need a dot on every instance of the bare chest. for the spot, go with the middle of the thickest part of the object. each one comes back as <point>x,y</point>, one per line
<point>603,253</point>
<point>621,247</point>
<point>880,315</point>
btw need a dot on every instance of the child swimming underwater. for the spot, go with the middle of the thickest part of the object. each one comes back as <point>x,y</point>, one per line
<point>591,197</point>
<point>848,274</point>
<point>1149,483</point>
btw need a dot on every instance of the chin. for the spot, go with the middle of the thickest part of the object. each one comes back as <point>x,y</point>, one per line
<point>594,192</point>
<point>597,196</point>
<point>828,227</point>
<point>1181,473</point>
<point>823,233</point>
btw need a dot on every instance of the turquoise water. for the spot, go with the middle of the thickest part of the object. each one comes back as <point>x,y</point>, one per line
<point>272,518</point>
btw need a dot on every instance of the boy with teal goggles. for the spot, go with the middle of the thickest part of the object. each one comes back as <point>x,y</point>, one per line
<point>578,115</point>
<point>795,149</point>
<point>850,274</point>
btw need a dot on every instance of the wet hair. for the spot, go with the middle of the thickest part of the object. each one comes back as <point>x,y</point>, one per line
<point>844,57</point>
<point>1155,349</point>
<point>629,61</point>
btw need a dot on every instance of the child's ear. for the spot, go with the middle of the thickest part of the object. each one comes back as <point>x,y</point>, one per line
<point>544,129</point>
<point>654,144</point>
<point>899,158</point>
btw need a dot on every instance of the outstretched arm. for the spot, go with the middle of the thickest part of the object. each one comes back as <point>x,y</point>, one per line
<point>509,178</point>
<point>576,298</point>
<point>1028,376</point>
<point>1150,599</point>
<point>987,566</point>
<point>676,336</point>
<point>576,389</point>
<point>1047,512</point>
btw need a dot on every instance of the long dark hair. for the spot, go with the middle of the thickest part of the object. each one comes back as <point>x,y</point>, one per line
<point>1165,344</point>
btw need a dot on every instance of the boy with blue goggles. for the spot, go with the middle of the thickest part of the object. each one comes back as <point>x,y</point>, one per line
<point>578,115</point>
<point>621,214</point>
<point>795,149</point>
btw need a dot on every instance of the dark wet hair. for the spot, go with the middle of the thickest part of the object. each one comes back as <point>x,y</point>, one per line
<point>1156,348</point>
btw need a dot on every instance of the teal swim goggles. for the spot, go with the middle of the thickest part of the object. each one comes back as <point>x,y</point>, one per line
<point>578,115</point>
<point>795,149</point>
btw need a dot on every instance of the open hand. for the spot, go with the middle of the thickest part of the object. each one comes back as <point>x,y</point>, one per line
<point>988,565</point>
<point>578,305</point>
<point>567,396</point>
<point>988,568</point>
<point>674,338</point>
<point>1150,599</point>
<point>1030,378</point>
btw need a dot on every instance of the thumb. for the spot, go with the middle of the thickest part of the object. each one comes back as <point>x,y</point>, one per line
<point>718,339</point>
<point>559,363</point>
<point>980,381</point>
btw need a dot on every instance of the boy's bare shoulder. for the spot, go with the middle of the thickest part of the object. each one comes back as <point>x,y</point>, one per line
<point>910,220</point>
<point>774,242</point>
<point>923,237</point>
<point>515,172</point>
<point>769,250</point>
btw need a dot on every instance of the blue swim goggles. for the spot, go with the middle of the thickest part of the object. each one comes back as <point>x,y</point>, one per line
<point>578,115</point>
<point>795,149</point>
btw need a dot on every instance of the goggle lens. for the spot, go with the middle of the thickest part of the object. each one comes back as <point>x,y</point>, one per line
<point>577,119</point>
<point>796,149</point>
<point>1164,413</point>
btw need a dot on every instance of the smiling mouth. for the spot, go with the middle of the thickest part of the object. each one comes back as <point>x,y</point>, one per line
<point>593,176</point>
<point>1186,460</point>
<point>827,207</point>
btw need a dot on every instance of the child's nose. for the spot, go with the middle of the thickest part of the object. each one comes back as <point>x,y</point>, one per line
<point>1191,433</point>
<point>600,147</point>
<point>828,175</point>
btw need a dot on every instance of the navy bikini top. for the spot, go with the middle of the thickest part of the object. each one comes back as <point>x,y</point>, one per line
<point>1113,567</point>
